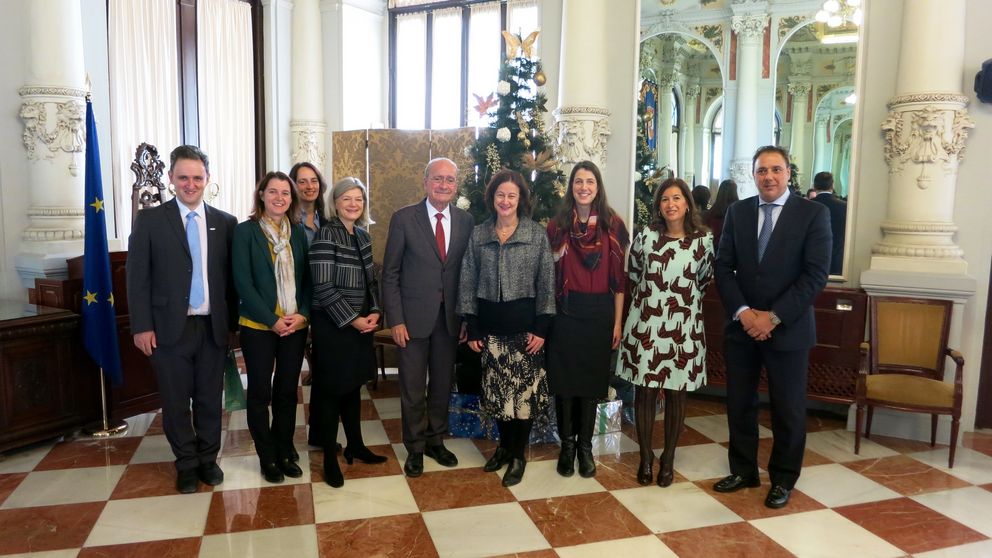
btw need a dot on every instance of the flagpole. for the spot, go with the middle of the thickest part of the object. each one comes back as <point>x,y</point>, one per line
<point>119,428</point>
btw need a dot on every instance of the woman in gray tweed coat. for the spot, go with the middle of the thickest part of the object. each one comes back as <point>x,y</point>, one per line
<point>506,296</point>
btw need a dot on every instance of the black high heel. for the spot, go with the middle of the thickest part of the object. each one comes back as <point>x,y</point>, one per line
<point>362,454</point>
<point>332,472</point>
<point>644,473</point>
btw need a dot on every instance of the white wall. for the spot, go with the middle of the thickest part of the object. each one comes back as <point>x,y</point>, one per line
<point>364,84</point>
<point>14,197</point>
<point>277,25</point>
<point>622,53</point>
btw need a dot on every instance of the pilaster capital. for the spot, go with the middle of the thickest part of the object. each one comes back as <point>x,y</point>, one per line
<point>581,133</point>
<point>667,80</point>
<point>750,27</point>
<point>692,91</point>
<point>931,134</point>
<point>53,123</point>
<point>799,90</point>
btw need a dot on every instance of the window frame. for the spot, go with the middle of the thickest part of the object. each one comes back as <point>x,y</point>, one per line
<point>429,10</point>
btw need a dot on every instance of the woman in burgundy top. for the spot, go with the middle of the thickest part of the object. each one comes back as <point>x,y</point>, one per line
<point>588,240</point>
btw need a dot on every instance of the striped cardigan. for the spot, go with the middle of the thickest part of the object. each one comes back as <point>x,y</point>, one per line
<point>336,269</point>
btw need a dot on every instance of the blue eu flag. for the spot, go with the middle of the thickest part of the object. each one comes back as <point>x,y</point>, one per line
<point>99,320</point>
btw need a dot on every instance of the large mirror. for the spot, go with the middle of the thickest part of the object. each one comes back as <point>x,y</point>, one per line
<point>680,97</point>
<point>814,103</point>
<point>806,96</point>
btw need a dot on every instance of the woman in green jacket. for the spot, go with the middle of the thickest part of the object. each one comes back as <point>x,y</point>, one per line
<point>272,277</point>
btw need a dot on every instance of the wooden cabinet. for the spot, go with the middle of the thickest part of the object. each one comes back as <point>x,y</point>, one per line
<point>48,386</point>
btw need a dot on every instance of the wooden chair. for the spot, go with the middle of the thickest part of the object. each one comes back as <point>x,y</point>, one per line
<point>147,190</point>
<point>908,349</point>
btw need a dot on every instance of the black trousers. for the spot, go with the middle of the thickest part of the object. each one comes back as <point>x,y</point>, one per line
<point>787,393</point>
<point>190,377</point>
<point>262,350</point>
<point>424,395</point>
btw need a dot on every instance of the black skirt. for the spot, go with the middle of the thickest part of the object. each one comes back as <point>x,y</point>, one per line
<point>580,344</point>
<point>343,358</point>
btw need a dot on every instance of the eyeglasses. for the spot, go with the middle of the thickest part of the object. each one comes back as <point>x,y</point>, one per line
<point>450,180</point>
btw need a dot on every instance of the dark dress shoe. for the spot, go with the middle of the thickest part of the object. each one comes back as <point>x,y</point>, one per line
<point>186,481</point>
<point>665,476</point>
<point>500,457</point>
<point>441,454</point>
<point>289,468</point>
<point>566,458</point>
<point>514,472</point>
<point>777,497</point>
<point>733,483</point>
<point>272,473</point>
<point>414,466</point>
<point>294,456</point>
<point>332,471</point>
<point>362,454</point>
<point>210,474</point>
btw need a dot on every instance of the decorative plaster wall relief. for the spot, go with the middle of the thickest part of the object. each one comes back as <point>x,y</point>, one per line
<point>929,141</point>
<point>66,136</point>
<point>308,147</point>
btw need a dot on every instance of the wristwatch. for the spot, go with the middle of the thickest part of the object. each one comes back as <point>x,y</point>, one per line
<point>774,317</point>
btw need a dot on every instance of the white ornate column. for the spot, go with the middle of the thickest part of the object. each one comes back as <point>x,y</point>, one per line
<point>925,134</point>
<point>750,29</point>
<point>582,121</point>
<point>688,134</point>
<point>798,148</point>
<point>53,113</point>
<point>924,141</point>
<point>822,150</point>
<point>307,127</point>
<point>665,106</point>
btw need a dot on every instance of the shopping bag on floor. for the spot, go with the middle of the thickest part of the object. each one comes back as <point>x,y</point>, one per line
<point>234,390</point>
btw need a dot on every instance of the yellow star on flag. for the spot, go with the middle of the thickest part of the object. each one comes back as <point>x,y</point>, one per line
<point>97,204</point>
<point>90,298</point>
<point>111,299</point>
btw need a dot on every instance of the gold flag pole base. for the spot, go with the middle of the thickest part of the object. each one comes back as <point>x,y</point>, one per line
<point>105,429</point>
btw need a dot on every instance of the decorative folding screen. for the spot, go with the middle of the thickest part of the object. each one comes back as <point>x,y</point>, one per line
<point>396,176</point>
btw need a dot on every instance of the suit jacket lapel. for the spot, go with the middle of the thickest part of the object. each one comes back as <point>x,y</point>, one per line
<point>749,226</point>
<point>262,245</point>
<point>176,222</point>
<point>420,216</point>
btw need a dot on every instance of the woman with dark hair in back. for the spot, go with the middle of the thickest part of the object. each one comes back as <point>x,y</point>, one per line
<point>269,265</point>
<point>701,195</point>
<point>726,195</point>
<point>663,347</point>
<point>506,297</point>
<point>588,240</point>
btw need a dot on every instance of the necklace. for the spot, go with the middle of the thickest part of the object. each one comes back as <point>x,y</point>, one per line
<point>504,233</point>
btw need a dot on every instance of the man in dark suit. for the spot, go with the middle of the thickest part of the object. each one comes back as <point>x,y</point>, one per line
<point>183,306</point>
<point>420,273</point>
<point>823,185</point>
<point>772,263</point>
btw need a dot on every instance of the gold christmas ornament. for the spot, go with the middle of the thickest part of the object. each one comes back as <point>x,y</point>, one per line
<point>516,46</point>
<point>527,144</point>
<point>539,78</point>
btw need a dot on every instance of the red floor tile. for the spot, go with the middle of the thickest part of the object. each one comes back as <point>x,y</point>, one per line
<point>732,540</point>
<point>905,475</point>
<point>47,527</point>
<point>251,509</point>
<point>395,535</point>
<point>910,526</point>
<point>171,548</point>
<point>142,480</point>
<point>89,453</point>
<point>458,488</point>
<point>586,518</point>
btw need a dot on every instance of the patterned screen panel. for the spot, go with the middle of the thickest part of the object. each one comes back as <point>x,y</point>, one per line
<point>396,177</point>
<point>452,144</point>
<point>349,155</point>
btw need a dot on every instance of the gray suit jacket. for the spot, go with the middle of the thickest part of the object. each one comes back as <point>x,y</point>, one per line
<point>159,270</point>
<point>414,280</point>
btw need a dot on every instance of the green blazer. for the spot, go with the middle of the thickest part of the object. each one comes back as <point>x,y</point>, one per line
<point>255,275</point>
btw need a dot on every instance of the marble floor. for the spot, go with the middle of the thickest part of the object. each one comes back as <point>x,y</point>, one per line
<point>116,498</point>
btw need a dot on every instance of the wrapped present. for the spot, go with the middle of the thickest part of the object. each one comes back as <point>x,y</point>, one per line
<point>608,416</point>
<point>466,419</point>
<point>544,429</point>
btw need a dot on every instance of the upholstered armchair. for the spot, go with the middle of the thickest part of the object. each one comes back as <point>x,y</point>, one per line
<point>905,367</point>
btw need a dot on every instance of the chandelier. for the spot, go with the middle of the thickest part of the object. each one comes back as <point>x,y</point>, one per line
<point>838,12</point>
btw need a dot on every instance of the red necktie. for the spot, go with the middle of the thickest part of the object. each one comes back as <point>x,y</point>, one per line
<point>439,236</point>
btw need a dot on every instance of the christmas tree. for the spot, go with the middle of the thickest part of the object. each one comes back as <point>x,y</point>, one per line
<point>516,138</point>
<point>644,167</point>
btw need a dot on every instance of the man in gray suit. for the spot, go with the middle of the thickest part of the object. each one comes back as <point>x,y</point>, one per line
<point>183,306</point>
<point>420,291</point>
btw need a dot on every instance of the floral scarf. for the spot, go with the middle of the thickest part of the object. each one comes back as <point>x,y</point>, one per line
<point>278,235</point>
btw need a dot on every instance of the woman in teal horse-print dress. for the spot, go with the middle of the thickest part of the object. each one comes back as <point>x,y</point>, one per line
<point>663,345</point>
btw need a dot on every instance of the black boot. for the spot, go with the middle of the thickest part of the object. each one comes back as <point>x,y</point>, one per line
<point>332,471</point>
<point>587,423</point>
<point>520,437</point>
<point>674,421</point>
<point>563,413</point>
<point>645,407</point>
<point>503,453</point>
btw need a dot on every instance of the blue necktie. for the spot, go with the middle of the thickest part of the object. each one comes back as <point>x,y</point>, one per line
<point>193,237</point>
<point>766,229</point>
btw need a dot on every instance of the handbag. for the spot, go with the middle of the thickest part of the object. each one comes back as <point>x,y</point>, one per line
<point>234,390</point>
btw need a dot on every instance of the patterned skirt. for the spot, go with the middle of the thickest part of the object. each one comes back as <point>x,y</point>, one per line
<point>514,383</point>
